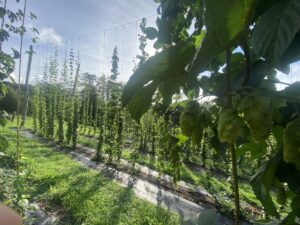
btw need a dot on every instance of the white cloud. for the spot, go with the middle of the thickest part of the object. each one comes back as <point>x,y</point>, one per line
<point>49,35</point>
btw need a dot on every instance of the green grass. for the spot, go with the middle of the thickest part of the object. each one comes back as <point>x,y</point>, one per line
<point>220,187</point>
<point>217,186</point>
<point>86,141</point>
<point>85,195</point>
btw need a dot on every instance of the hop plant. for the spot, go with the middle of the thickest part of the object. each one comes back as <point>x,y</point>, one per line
<point>281,196</point>
<point>187,123</point>
<point>192,121</point>
<point>230,126</point>
<point>291,143</point>
<point>257,111</point>
<point>197,135</point>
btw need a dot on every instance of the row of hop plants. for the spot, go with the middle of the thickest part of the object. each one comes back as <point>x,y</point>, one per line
<point>68,103</point>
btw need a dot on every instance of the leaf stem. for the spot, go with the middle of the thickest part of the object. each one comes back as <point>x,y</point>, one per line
<point>246,49</point>
<point>232,147</point>
<point>3,20</point>
<point>235,184</point>
<point>228,80</point>
<point>270,144</point>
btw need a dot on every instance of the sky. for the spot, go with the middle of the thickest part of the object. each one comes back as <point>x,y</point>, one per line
<point>91,27</point>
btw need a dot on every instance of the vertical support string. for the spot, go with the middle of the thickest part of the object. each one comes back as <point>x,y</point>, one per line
<point>66,78</point>
<point>122,53</point>
<point>137,39</point>
<point>18,150</point>
<point>104,52</point>
<point>78,52</point>
<point>116,35</point>
<point>61,60</point>
<point>78,47</point>
<point>38,64</point>
<point>291,71</point>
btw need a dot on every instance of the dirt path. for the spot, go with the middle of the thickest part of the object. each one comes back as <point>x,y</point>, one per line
<point>186,190</point>
<point>190,191</point>
<point>156,194</point>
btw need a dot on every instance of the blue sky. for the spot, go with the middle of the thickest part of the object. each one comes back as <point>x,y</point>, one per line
<point>72,18</point>
<point>98,23</point>
<point>100,26</point>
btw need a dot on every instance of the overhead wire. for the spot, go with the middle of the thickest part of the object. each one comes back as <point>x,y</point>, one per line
<point>105,35</point>
<point>122,50</point>
<point>111,28</point>
<point>104,53</point>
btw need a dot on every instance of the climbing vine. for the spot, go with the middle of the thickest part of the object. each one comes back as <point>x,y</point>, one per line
<point>209,94</point>
<point>232,57</point>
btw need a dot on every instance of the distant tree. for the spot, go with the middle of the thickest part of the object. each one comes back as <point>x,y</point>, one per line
<point>10,102</point>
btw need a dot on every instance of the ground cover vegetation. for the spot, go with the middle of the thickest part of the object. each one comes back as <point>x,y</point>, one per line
<point>241,53</point>
<point>76,195</point>
<point>207,99</point>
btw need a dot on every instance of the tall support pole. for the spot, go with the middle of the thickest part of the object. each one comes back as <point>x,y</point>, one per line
<point>27,86</point>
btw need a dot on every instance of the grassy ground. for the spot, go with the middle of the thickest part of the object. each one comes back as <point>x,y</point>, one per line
<point>220,187</point>
<point>85,196</point>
